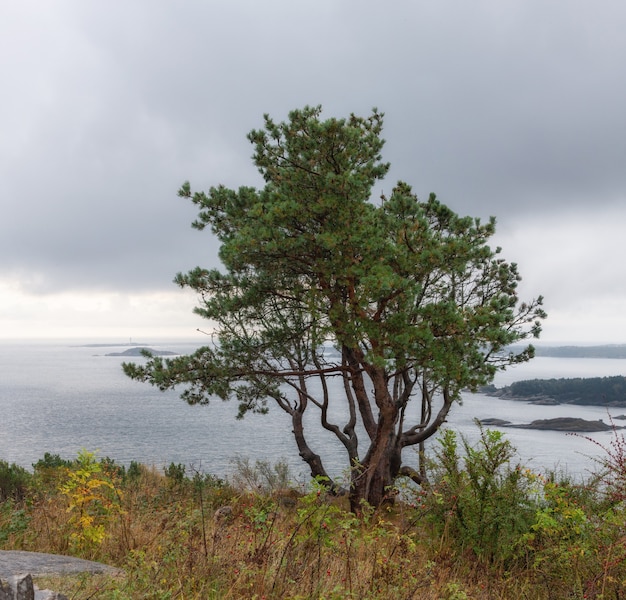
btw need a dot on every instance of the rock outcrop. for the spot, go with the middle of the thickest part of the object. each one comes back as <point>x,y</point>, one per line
<point>569,424</point>
<point>21,587</point>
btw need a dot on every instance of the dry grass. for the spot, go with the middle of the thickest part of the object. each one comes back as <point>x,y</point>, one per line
<point>176,537</point>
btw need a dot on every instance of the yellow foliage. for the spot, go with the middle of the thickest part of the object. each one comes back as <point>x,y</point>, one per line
<point>92,497</point>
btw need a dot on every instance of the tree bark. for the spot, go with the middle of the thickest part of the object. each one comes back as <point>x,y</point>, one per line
<point>371,480</point>
<point>311,458</point>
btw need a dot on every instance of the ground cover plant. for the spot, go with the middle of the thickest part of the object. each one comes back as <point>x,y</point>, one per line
<point>482,526</point>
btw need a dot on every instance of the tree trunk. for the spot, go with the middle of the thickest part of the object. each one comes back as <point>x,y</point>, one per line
<point>371,480</point>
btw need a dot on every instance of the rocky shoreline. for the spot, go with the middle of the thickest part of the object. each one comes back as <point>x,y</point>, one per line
<point>567,424</point>
<point>574,392</point>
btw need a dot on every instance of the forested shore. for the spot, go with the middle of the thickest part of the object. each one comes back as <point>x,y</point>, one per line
<point>593,391</point>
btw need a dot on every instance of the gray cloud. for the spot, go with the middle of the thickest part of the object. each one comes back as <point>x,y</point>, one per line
<point>512,109</point>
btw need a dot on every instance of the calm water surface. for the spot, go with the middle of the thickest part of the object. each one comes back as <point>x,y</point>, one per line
<point>61,397</point>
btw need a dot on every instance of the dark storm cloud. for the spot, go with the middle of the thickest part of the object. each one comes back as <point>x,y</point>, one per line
<point>512,109</point>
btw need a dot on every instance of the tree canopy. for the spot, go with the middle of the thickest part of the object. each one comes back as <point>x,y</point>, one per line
<point>389,308</point>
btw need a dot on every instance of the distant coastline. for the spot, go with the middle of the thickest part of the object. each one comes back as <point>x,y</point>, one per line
<point>590,391</point>
<point>602,351</point>
<point>111,345</point>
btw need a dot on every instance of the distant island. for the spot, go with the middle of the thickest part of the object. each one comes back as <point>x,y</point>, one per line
<point>139,351</point>
<point>591,391</point>
<point>603,351</point>
<point>569,424</point>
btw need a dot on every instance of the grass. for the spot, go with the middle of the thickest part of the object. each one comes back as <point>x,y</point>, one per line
<point>485,528</point>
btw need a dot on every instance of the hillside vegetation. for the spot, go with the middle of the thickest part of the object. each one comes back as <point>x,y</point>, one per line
<point>485,527</point>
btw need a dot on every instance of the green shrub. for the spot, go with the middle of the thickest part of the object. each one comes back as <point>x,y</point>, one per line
<point>49,469</point>
<point>577,542</point>
<point>52,461</point>
<point>262,476</point>
<point>14,482</point>
<point>176,474</point>
<point>561,538</point>
<point>133,473</point>
<point>479,500</point>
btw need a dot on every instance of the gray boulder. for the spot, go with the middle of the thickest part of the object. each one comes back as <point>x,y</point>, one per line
<point>21,587</point>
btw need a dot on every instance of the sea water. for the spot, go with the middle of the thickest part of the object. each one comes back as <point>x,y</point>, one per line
<point>65,396</point>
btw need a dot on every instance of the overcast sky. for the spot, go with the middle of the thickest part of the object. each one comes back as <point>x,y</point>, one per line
<point>515,109</point>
